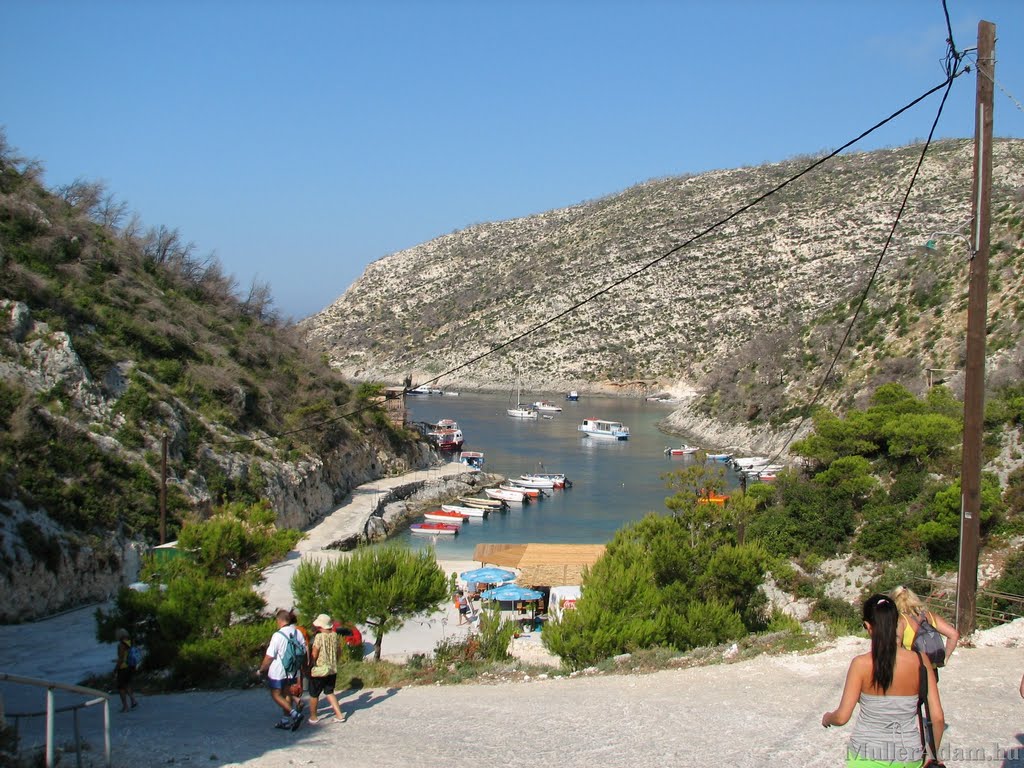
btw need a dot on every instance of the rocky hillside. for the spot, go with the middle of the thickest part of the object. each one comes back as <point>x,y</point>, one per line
<point>746,318</point>
<point>113,338</point>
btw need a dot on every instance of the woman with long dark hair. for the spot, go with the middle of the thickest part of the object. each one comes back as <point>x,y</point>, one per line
<point>885,682</point>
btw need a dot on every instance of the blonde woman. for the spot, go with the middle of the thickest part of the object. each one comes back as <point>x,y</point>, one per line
<point>912,610</point>
<point>324,673</point>
<point>885,683</point>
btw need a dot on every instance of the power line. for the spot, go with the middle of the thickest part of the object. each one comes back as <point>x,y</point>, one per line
<point>947,84</point>
<point>878,264</point>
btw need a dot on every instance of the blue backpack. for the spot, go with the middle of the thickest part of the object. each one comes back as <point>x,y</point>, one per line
<point>929,642</point>
<point>134,657</point>
<point>294,656</point>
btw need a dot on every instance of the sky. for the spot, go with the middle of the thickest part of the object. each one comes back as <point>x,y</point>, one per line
<point>300,141</point>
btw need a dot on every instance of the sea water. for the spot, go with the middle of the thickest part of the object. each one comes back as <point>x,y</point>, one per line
<point>614,481</point>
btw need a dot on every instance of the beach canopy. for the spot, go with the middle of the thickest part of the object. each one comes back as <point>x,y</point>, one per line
<point>488,575</point>
<point>511,592</point>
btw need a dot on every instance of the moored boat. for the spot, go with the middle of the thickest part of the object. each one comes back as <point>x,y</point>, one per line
<point>498,493</point>
<point>446,435</point>
<point>573,395</point>
<point>433,529</point>
<point>683,450</point>
<point>545,405</point>
<point>612,430</point>
<point>444,516</point>
<point>473,501</point>
<point>721,457</point>
<point>472,459</point>
<point>466,511</point>
<point>533,493</point>
<point>532,482</point>
<point>558,478</point>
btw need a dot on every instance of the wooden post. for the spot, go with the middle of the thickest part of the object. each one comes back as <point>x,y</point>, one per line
<point>163,491</point>
<point>977,310</point>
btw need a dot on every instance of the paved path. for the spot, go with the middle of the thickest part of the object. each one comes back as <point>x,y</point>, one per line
<point>750,713</point>
<point>346,521</point>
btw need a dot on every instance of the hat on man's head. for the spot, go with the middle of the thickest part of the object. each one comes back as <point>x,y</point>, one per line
<point>323,621</point>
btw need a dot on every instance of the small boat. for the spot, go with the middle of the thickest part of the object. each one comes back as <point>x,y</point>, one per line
<point>749,461</point>
<point>683,450</point>
<point>444,516</point>
<point>533,482</point>
<point>472,459</point>
<point>520,411</point>
<point>498,493</point>
<point>434,529</point>
<point>420,390</point>
<point>544,405</point>
<point>472,501</point>
<point>465,511</point>
<point>722,457</point>
<point>558,478</point>
<point>450,394</point>
<point>613,430</point>
<point>533,493</point>
<point>573,396</point>
<point>446,435</point>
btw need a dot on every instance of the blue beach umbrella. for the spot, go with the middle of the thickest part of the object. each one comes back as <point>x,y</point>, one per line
<point>488,575</point>
<point>511,592</point>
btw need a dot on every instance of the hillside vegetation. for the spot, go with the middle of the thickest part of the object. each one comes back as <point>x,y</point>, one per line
<point>748,318</point>
<point>114,336</point>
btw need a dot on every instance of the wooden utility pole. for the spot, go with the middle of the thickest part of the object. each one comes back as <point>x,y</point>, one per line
<point>977,311</point>
<point>163,491</point>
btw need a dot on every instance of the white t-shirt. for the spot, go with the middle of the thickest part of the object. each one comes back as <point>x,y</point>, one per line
<point>276,650</point>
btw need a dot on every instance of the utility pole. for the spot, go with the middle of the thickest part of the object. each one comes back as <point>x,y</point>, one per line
<point>163,491</point>
<point>977,311</point>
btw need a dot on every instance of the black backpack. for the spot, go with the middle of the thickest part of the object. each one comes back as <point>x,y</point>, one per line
<point>929,642</point>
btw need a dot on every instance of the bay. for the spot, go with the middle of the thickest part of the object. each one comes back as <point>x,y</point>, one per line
<point>614,482</point>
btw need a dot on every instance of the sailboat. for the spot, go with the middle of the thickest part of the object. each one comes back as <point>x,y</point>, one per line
<point>520,411</point>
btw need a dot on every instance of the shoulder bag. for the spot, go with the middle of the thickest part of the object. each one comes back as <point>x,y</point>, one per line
<point>924,720</point>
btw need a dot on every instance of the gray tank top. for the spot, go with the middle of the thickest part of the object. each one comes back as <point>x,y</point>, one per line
<point>886,729</point>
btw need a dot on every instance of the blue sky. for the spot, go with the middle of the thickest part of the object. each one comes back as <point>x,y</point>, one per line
<point>300,141</point>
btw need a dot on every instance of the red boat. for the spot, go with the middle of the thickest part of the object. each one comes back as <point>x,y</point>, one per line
<point>433,529</point>
<point>444,516</point>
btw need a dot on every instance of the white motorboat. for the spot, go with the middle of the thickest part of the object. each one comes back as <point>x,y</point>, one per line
<point>533,482</point>
<point>472,459</point>
<point>573,396</point>
<point>434,529</point>
<point>683,450</point>
<point>473,501</point>
<point>498,493</point>
<point>558,478</point>
<point>467,511</point>
<point>749,461</point>
<point>545,405</point>
<point>612,430</point>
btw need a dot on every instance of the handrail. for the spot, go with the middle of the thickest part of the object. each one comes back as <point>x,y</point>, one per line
<point>98,697</point>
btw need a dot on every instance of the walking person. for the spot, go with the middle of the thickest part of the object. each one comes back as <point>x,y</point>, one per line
<point>913,626</point>
<point>885,682</point>
<point>323,674</point>
<point>282,667</point>
<point>462,603</point>
<point>124,669</point>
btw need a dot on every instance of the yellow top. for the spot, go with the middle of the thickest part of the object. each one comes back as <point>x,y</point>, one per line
<point>910,629</point>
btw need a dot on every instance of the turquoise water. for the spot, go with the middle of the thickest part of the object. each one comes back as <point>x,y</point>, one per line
<point>613,481</point>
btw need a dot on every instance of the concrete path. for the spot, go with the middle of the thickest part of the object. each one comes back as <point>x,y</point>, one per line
<point>346,521</point>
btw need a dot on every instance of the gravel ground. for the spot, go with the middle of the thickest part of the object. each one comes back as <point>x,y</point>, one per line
<point>744,714</point>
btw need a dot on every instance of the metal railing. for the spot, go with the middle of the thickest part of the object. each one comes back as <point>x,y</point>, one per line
<point>992,607</point>
<point>96,697</point>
